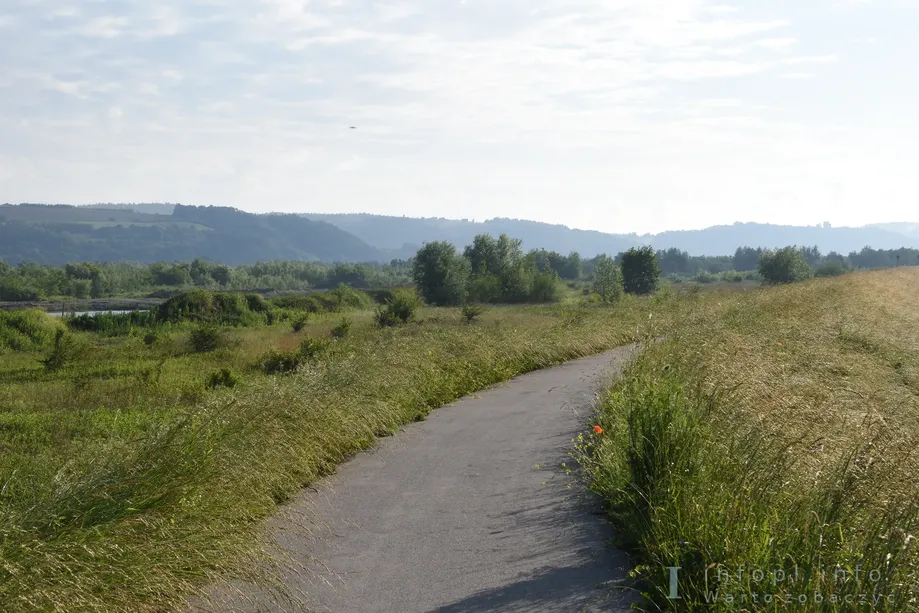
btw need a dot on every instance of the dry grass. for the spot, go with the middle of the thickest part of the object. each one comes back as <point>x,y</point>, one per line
<point>124,492</point>
<point>773,429</point>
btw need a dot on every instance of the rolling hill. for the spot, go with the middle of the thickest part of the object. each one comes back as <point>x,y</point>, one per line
<point>154,232</point>
<point>56,234</point>
<point>407,234</point>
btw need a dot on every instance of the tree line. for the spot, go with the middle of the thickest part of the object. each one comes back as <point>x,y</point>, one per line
<point>488,270</point>
<point>109,279</point>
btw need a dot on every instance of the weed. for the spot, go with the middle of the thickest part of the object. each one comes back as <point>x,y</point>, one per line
<point>471,312</point>
<point>222,378</point>
<point>206,338</point>
<point>277,362</point>
<point>343,329</point>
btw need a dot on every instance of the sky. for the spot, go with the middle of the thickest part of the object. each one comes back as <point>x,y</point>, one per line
<point>615,115</point>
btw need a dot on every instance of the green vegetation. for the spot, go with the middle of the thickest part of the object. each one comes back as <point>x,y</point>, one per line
<point>60,234</point>
<point>772,430</point>
<point>86,280</point>
<point>640,271</point>
<point>784,266</point>
<point>608,281</point>
<point>138,476</point>
<point>490,270</point>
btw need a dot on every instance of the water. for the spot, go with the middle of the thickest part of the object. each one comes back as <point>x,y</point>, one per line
<point>69,313</point>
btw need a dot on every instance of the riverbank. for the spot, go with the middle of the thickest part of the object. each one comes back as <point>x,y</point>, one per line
<point>80,306</point>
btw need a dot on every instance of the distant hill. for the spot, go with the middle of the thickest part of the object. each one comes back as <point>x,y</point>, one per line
<point>910,229</point>
<point>407,234</point>
<point>155,208</point>
<point>724,240</point>
<point>56,234</point>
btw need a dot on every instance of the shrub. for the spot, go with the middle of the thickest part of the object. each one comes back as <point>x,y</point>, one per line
<point>785,265</point>
<point>831,269</point>
<point>484,287</point>
<point>300,303</point>
<point>15,291</point>
<point>385,318</point>
<point>67,349</point>
<point>345,297</point>
<point>281,362</point>
<point>441,274</point>
<point>545,287</point>
<point>471,312</point>
<point>214,307</point>
<point>222,378</point>
<point>311,348</point>
<point>206,338</point>
<point>27,328</point>
<point>400,309</point>
<point>256,303</point>
<point>704,277</point>
<point>607,280</point>
<point>151,338</point>
<point>640,271</point>
<point>343,329</point>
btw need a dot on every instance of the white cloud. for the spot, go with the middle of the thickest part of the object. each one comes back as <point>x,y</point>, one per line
<point>572,111</point>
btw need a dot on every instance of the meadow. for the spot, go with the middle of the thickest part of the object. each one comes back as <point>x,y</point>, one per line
<point>766,447</point>
<point>138,453</point>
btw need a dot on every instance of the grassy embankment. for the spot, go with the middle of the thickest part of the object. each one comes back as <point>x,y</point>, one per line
<point>773,431</point>
<point>131,474</point>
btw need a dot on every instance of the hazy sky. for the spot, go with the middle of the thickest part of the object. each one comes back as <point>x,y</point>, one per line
<point>617,115</point>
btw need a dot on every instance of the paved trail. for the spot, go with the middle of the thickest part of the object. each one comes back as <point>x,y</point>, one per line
<point>451,515</point>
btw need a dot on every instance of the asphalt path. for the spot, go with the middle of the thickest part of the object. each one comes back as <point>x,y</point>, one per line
<point>467,511</point>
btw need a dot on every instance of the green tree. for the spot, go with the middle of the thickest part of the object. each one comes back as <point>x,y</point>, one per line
<point>489,255</point>
<point>607,280</point>
<point>640,270</point>
<point>441,274</point>
<point>785,265</point>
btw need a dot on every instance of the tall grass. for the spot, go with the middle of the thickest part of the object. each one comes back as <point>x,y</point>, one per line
<point>772,432</point>
<point>132,480</point>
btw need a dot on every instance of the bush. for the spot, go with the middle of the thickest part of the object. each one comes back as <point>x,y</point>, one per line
<point>214,307</point>
<point>441,274</point>
<point>785,265</point>
<point>640,271</point>
<point>281,362</point>
<point>704,277</point>
<point>345,297</point>
<point>343,329</point>
<point>206,338</point>
<point>67,349</point>
<point>15,291</point>
<point>222,378</point>
<point>484,287</point>
<point>25,329</point>
<point>545,287</point>
<point>300,303</point>
<point>311,348</point>
<point>256,303</point>
<point>831,269</point>
<point>400,309</point>
<point>385,318</point>
<point>471,312</point>
<point>151,338</point>
<point>607,280</point>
